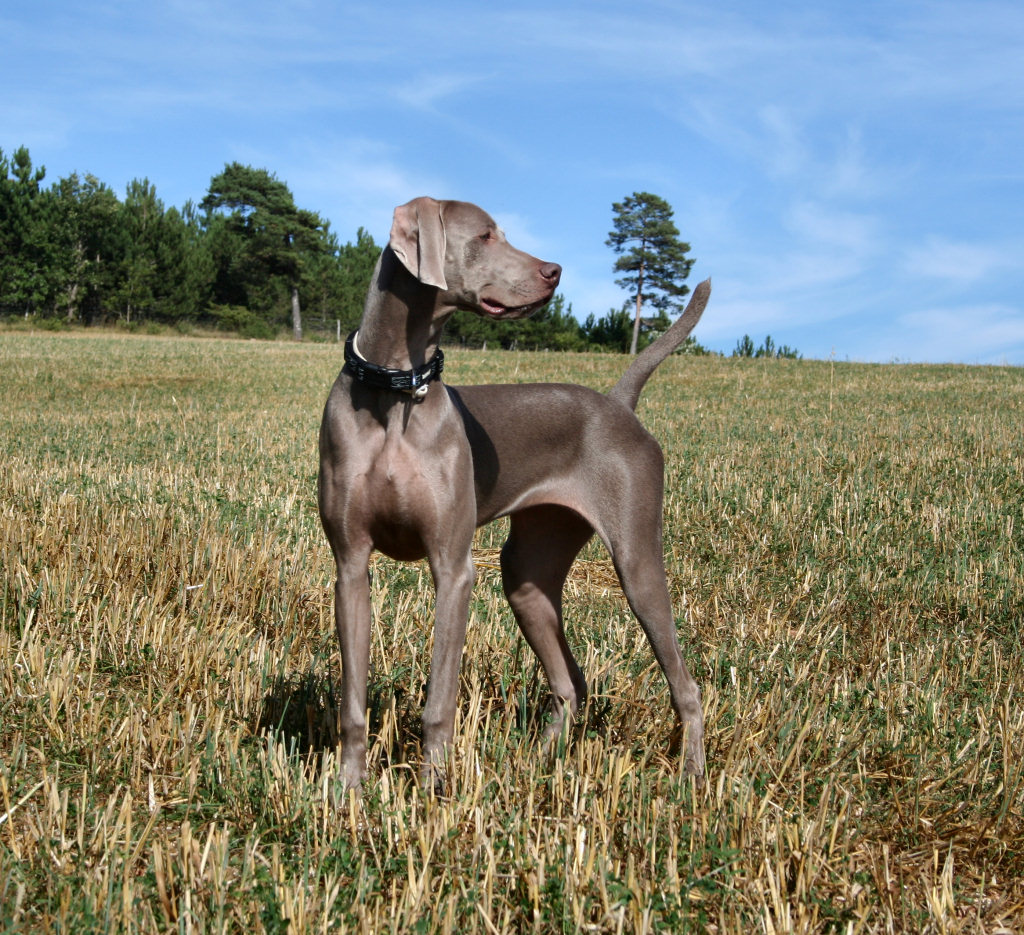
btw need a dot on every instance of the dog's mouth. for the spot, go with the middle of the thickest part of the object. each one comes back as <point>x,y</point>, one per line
<point>497,310</point>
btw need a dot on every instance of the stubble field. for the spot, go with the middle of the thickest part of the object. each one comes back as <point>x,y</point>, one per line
<point>845,549</point>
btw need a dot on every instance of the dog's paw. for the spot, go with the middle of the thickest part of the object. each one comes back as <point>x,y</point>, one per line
<point>434,780</point>
<point>694,767</point>
<point>352,776</point>
<point>688,741</point>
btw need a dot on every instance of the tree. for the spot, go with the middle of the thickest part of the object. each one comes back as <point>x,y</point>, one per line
<point>87,243</point>
<point>22,234</point>
<point>165,275</point>
<point>335,281</point>
<point>264,241</point>
<point>652,256</point>
<point>610,332</point>
<point>553,328</point>
<point>142,215</point>
<point>186,266</point>
<point>745,348</point>
<point>355,264</point>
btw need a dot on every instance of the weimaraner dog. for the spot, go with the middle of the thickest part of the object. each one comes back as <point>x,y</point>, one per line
<point>410,466</point>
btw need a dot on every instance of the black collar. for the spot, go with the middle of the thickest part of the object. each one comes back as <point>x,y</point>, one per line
<point>384,378</point>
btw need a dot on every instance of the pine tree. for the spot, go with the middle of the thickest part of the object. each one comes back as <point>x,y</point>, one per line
<point>22,234</point>
<point>265,239</point>
<point>652,256</point>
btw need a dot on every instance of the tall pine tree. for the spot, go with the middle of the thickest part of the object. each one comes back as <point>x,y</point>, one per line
<point>267,239</point>
<point>652,256</point>
<point>23,259</point>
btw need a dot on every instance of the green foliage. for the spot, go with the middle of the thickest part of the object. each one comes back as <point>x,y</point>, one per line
<point>244,257</point>
<point>553,328</point>
<point>166,273</point>
<point>242,320</point>
<point>614,331</point>
<point>611,332</point>
<point>652,258</point>
<point>745,348</point>
<point>22,255</point>
<point>74,252</point>
<point>346,278</point>
<point>87,246</point>
<point>266,243</point>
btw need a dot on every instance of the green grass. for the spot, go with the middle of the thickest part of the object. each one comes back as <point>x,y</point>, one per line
<point>844,546</point>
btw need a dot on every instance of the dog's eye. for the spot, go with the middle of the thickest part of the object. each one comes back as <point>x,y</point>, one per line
<point>487,236</point>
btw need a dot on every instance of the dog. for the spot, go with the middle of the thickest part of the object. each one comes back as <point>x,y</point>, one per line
<point>410,467</point>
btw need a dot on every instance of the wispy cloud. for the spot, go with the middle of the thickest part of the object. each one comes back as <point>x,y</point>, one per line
<point>816,223</point>
<point>426,91</point>
<point>971,333</point>
<point>960,262</point>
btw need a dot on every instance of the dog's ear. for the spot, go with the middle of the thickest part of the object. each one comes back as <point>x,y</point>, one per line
<point>418,240</point>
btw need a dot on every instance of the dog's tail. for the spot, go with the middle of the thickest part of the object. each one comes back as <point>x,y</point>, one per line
<point>631,383</point>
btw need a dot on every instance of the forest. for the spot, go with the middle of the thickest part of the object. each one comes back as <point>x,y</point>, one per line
<point>245,259</point>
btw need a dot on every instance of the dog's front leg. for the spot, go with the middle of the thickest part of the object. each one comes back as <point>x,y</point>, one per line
<point>352,616</point>
<point>453,581</point>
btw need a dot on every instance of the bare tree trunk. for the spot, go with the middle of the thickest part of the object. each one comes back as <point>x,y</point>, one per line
<point>78,269</point>
<point>296,315</point>
<point>639,304</point>
<point>72,299</point>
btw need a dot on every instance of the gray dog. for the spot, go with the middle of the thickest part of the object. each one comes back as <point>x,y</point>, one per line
<point>410,466</point>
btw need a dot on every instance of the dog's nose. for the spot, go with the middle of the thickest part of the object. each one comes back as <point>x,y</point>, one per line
<point>552,272</point>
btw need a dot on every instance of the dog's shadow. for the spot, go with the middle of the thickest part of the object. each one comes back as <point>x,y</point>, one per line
<point>300,711</point>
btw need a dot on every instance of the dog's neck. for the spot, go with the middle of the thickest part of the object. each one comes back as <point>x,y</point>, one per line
<point>402,319</point>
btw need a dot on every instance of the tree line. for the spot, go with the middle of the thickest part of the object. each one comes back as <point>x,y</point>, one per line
<point>245,259</point>
<point>248,260</point>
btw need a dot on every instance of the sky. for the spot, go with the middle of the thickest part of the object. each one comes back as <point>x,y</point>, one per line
<point>850,175</point>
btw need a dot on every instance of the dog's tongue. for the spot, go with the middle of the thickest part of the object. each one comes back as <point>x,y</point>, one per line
<point>492,308</point>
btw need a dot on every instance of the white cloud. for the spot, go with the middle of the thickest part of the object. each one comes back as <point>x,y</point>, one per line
<point>959,262</point>
<point>426,91</point>
<point>782,145</point>
<point>817,223</point>
<point>969,333</point>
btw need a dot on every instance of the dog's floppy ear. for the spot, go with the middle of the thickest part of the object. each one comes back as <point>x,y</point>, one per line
<point>418,240</point>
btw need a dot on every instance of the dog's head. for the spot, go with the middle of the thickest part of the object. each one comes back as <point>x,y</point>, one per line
<point>457,248</point>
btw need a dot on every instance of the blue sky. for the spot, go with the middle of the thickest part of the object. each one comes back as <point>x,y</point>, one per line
<point>850,174</point>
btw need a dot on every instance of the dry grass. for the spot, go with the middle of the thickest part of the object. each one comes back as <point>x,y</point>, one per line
<point>845,549</point>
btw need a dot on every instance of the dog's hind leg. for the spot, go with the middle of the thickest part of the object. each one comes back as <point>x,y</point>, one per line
<point>636,550</point>
<point>535,560</point>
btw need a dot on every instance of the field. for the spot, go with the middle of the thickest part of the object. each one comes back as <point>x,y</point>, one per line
<point>845,548</point>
